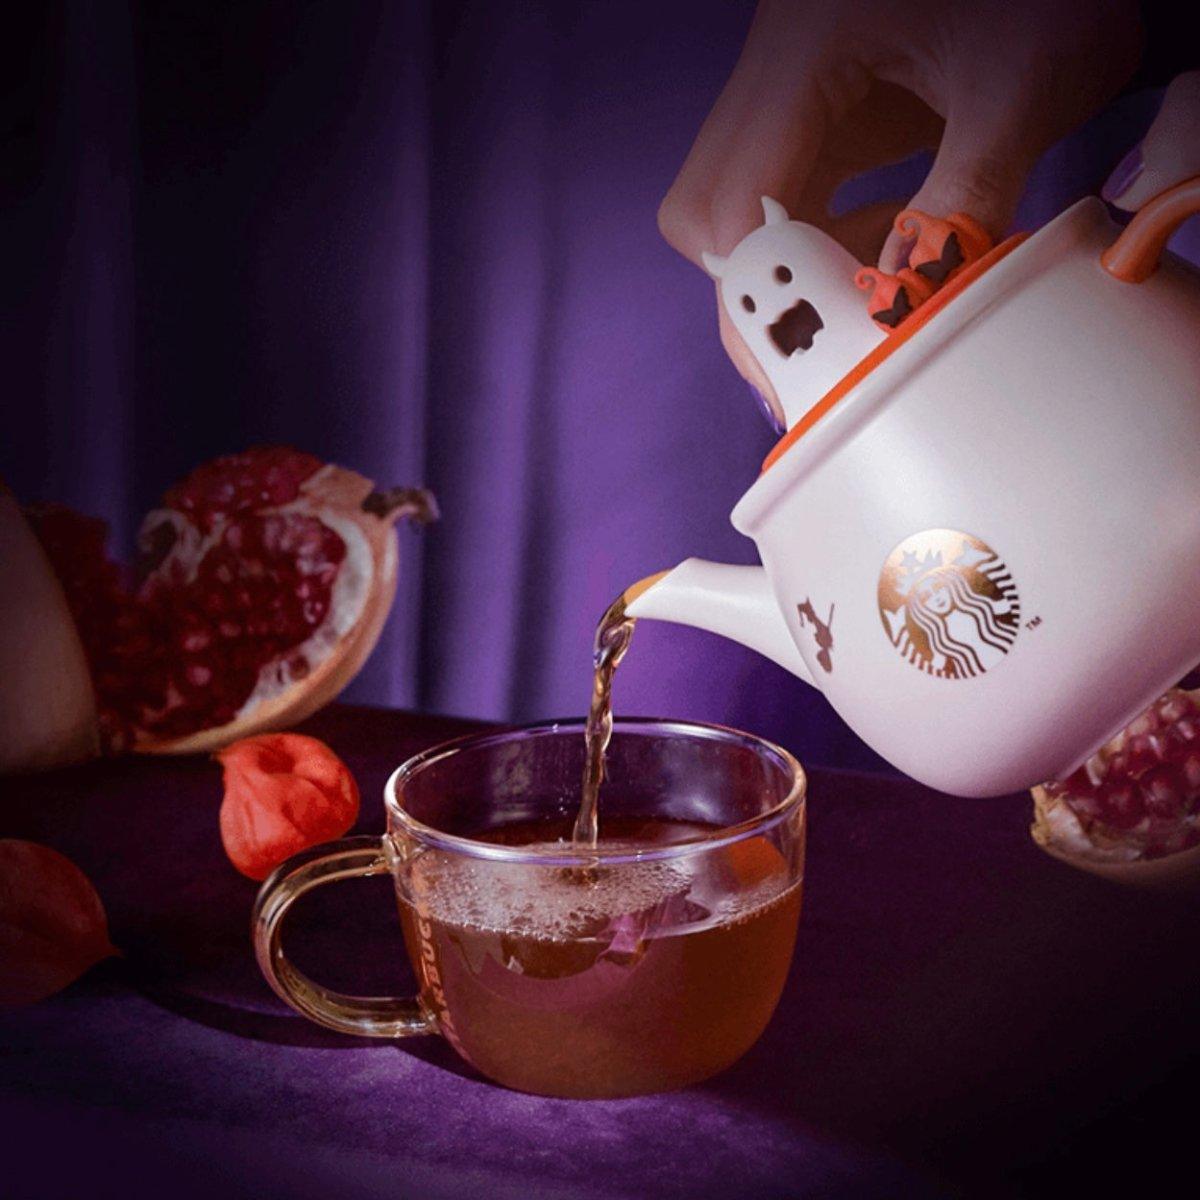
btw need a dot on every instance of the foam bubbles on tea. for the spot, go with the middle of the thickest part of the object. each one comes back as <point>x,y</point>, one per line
<point>549,903</point>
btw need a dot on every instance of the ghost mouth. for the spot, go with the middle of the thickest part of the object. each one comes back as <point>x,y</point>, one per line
<point>796,328</point>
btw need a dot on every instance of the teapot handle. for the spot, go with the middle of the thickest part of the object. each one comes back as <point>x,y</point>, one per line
<point>1134,256</point>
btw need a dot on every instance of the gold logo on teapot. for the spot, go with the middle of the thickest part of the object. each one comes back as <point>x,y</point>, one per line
<point>948,603</point>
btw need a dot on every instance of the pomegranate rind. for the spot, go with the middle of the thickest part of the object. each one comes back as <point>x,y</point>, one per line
<point>47,704</point>
<point>1172,872</point>
<point>336,496</point>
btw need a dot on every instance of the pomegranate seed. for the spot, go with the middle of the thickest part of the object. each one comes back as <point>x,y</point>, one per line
<point>194,641</point>
<point>1161,792</point>
<point>1120,806</point>
<point>1077,781</point>
<point>198,675</point>
<point>1141,756</point>
<point>1191,772</point>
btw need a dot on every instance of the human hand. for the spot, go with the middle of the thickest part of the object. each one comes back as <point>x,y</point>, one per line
<point>1167,155</point>
<point>822,92</point>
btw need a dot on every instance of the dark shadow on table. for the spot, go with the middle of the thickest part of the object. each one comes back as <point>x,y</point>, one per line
<point>289,1029</point>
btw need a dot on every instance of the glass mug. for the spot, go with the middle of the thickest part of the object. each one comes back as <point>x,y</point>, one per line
<point>647,963</point>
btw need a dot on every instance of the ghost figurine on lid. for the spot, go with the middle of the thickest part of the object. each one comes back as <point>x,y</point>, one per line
<point>790,291</point>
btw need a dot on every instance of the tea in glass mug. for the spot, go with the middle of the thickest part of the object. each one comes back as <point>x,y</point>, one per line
<point>647,962</point>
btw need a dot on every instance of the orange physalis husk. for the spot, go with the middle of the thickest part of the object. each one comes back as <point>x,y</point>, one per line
<point>52,924</point>
<point>284,792</point>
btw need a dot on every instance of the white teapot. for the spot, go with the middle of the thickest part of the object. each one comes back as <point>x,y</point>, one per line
<point>982,542</point>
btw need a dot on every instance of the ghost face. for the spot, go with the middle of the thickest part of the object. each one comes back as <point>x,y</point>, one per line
<point>789,291</point>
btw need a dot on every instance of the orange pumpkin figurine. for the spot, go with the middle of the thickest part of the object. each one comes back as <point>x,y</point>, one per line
<point>893,297</point>
<point>943,246</point>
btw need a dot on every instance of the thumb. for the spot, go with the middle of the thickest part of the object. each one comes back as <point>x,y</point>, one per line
<point>980,169</point>
<point>1167,155</point>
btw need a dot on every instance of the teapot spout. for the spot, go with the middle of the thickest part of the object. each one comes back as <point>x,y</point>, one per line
<point>735,602</point>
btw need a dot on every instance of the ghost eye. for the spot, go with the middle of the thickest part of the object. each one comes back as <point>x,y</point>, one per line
<point>748,304</point>
<point>783,274</point>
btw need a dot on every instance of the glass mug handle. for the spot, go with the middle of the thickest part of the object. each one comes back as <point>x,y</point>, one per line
<point>363,1016</point>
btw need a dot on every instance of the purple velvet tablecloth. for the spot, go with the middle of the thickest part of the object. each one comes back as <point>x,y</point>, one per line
<point>964,1016</point>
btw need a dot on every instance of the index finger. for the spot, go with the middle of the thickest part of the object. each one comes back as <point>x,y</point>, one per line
<point>762,137</point>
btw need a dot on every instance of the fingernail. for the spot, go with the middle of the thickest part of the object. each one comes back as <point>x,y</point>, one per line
<point>767,409</point>
<point>1124,175</point>
<point>900,255</point>
<point>895,252</point>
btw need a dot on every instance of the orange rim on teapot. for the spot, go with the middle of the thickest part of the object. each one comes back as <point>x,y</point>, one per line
<point>1132,258</point>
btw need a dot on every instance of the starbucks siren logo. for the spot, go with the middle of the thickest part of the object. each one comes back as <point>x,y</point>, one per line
<point>948,603</point>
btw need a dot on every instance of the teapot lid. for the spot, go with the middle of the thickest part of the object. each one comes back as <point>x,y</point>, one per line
<point>915,321</point>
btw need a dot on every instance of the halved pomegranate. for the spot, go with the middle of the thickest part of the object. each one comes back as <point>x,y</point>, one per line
<point>1132,811</point>
<point>262,585</point>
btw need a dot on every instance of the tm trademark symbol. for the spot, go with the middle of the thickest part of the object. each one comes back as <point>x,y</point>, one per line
<point>1033,622</point>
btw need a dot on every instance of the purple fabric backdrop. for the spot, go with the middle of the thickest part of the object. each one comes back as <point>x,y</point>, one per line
<point>417,238</point>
